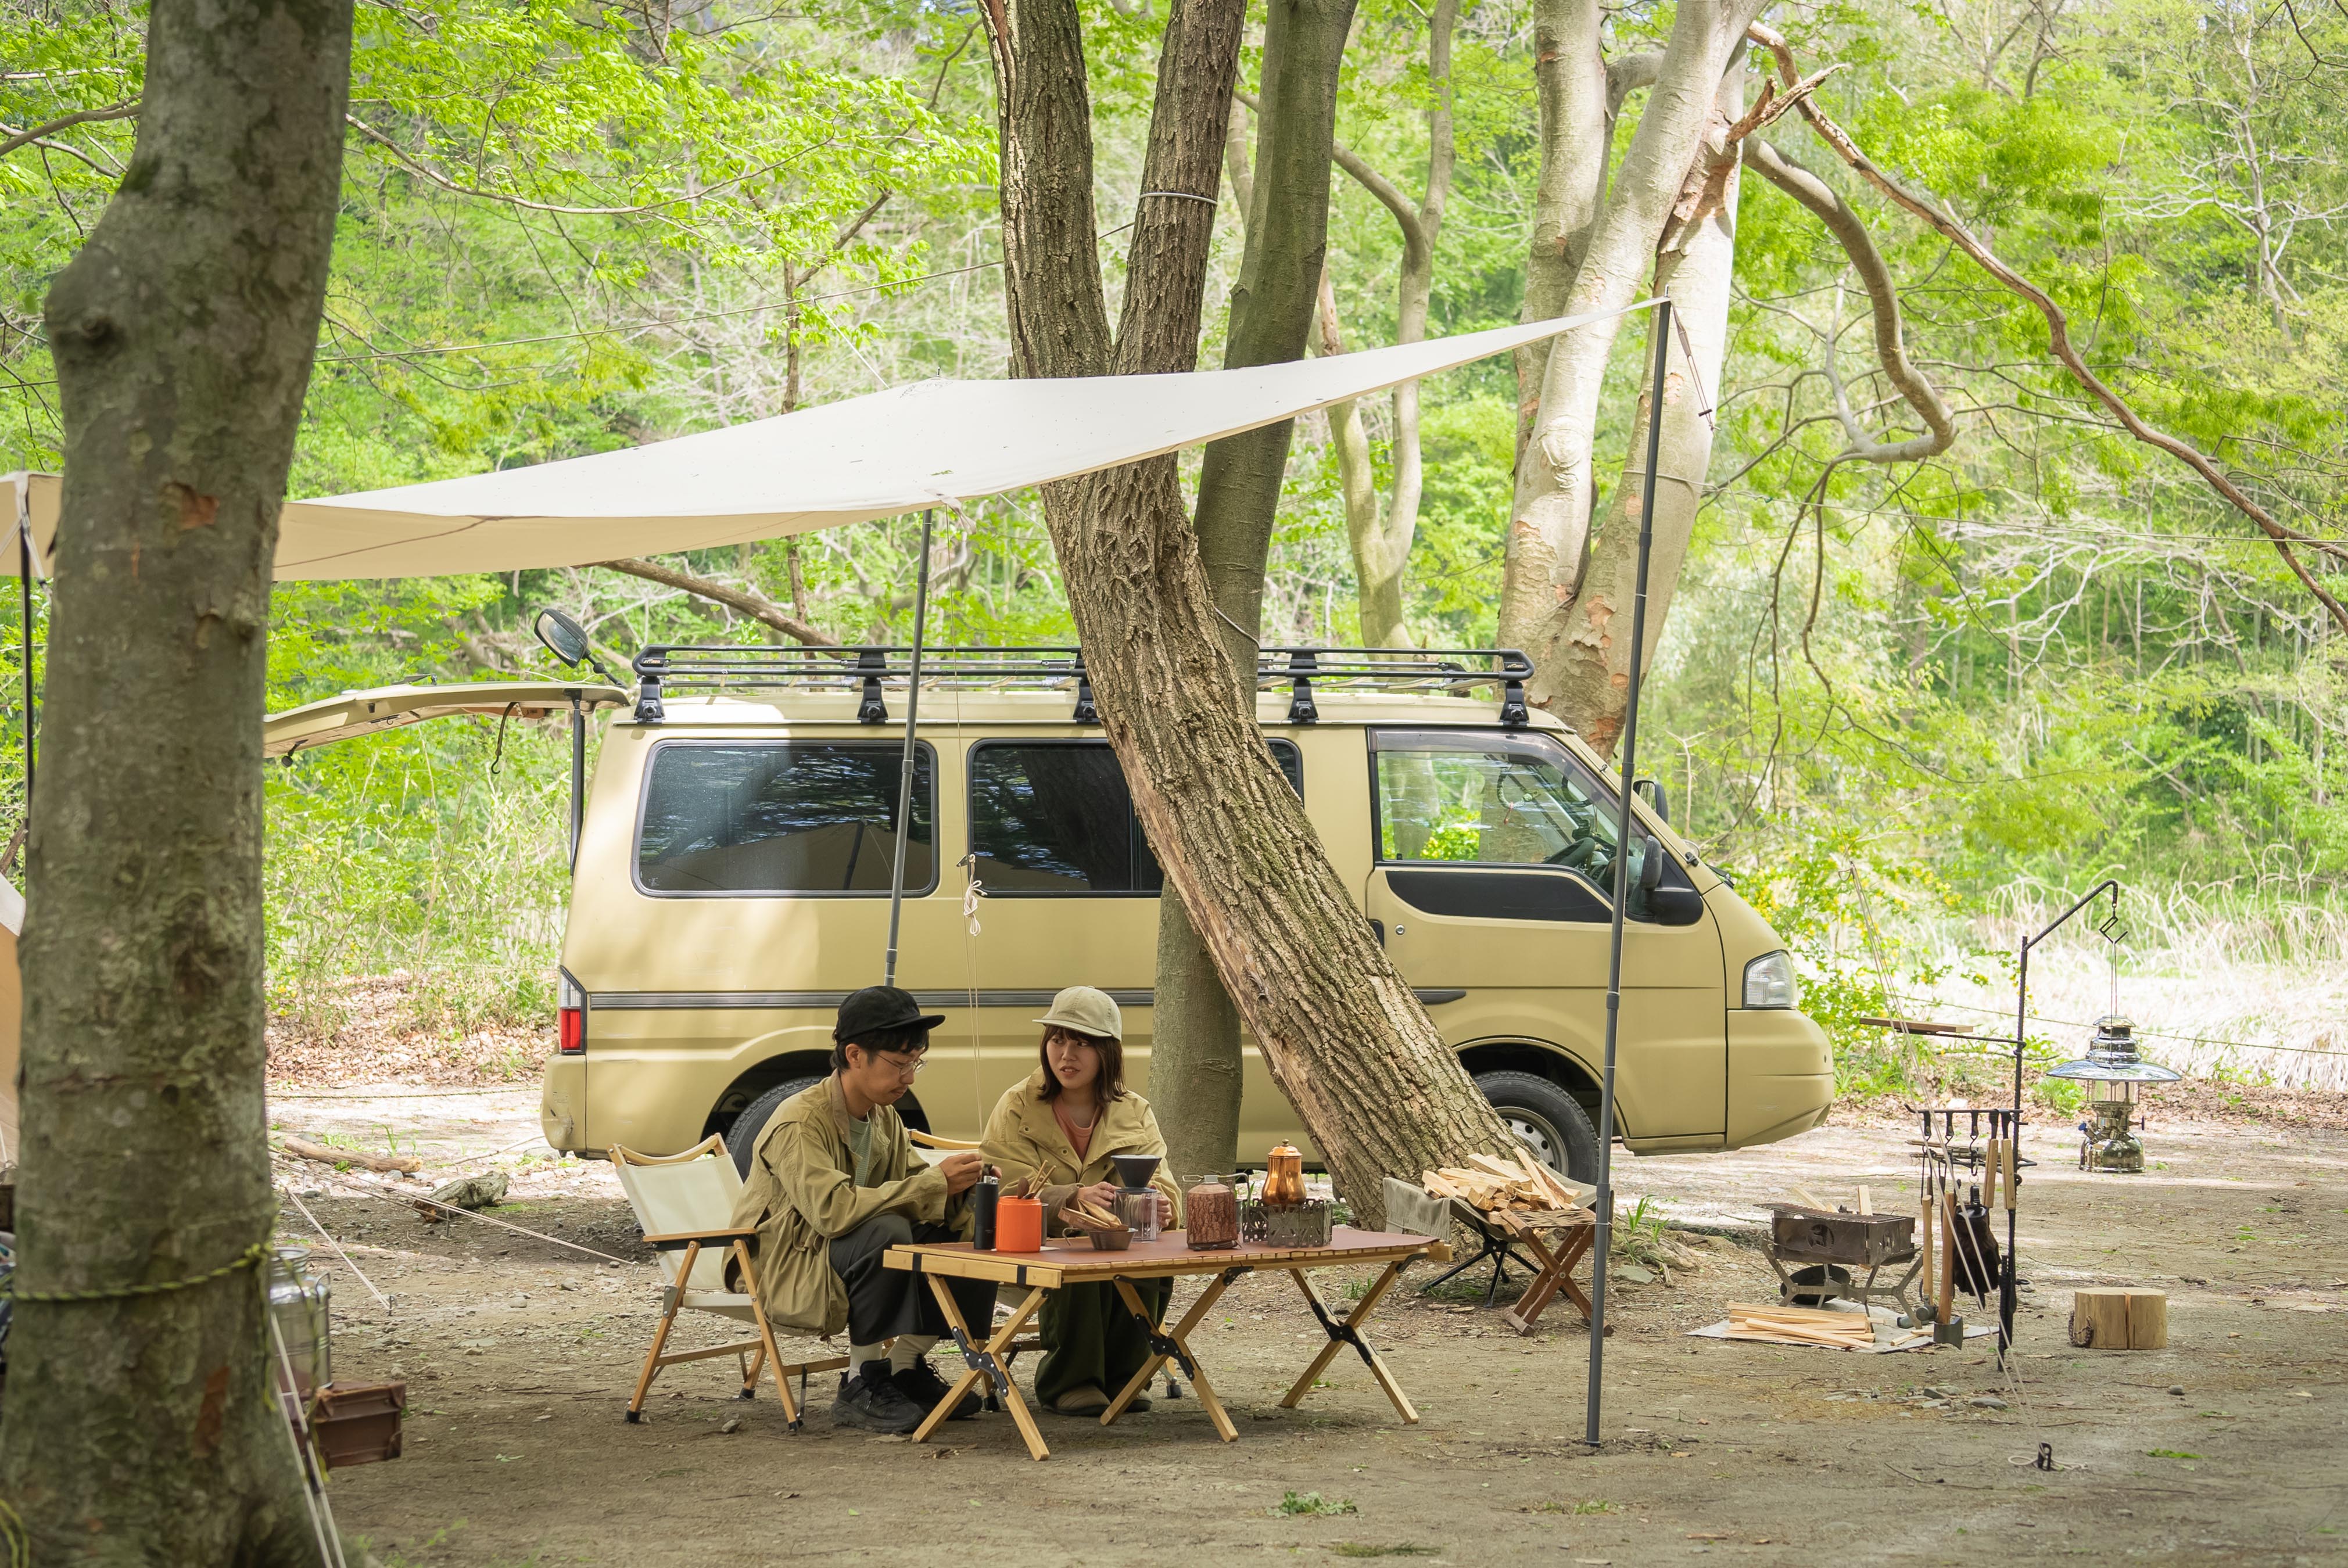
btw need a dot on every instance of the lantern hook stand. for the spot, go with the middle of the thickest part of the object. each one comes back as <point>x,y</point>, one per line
<point>2111,929</point>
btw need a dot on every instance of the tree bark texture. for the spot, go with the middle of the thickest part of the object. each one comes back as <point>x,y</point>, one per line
<point>1195,1059</point>
<point>1342,1035</point>
<point>1549,525</point>
<point>1582,653</point>
<point>141,1429</point>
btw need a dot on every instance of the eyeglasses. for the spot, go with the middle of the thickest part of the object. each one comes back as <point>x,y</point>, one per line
<point>905,1069</point>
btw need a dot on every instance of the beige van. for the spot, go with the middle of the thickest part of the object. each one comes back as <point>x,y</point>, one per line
<point>735,846</point>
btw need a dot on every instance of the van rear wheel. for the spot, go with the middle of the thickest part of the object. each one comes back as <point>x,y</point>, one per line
<point>1546,1119</point>
<point>742,1138</point>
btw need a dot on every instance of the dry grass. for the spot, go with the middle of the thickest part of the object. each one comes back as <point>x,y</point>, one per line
<point>378,1029</point>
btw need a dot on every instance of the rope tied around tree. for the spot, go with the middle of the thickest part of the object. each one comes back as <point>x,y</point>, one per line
<point>252,1256</point>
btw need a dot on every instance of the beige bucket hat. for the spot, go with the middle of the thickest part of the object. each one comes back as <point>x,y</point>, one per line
<point>1087,1012</point>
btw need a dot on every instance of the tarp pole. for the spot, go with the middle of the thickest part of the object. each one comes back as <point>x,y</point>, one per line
<point>578,777</point>
<point>905,773</point>
<point>1604,1201</point>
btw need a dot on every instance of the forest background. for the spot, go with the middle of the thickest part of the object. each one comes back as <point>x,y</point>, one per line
<point>1912,707</point>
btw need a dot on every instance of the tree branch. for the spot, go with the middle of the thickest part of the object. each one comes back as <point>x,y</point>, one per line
<point>126,110</point>
<point>2058,327</point>
<point>1882,293</point>
<point>756,606</point>
<point>444,183</point>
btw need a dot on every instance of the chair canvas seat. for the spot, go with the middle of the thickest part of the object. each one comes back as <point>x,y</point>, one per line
<point>693,1194</point>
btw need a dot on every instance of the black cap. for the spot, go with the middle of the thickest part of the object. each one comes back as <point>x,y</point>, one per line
<point>878,1008</point>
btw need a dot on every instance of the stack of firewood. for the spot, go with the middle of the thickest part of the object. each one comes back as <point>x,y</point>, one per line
<point>1502,1185</point>
<point>1801,1326</point>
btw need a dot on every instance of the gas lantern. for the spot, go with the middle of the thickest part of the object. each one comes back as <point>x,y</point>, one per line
<point>2113,1073</point>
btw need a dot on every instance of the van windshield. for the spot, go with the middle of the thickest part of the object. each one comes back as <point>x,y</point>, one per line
<point>801,816</point>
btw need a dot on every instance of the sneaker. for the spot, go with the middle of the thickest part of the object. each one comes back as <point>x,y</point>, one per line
<point>921,1384</point>
<point>870,1402</point>
<point>1082,1400</point>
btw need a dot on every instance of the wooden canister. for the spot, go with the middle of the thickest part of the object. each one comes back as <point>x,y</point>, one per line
<point>1283,1176</point>
<point>1213,1214</point>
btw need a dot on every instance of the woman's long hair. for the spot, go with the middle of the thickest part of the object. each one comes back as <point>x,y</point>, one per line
<point>1108,1086</point>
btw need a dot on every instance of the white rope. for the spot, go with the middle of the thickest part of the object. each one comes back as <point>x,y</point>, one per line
<point>297,1432</point>
<point>331,1242</point>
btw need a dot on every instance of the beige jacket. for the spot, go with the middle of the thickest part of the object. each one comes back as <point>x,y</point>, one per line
<point>801,1194</point>
<point>1023,1135</point>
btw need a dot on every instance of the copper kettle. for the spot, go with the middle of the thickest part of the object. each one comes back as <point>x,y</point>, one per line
<point>1283,1176</point>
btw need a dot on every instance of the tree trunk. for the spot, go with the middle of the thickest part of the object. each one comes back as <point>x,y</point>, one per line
<point>1548,529</point>
<point>141,1429</point>
<point>1381,544</point>
<point>1195,1060</point>
<point>1377,575</point>
<point>1342,1035</point>
<point>1576,141</point>
<point>1581,654</point>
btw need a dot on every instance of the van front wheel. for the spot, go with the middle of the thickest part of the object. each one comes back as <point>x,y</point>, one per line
<point>1546,1119</point>
<point>742,1138</point>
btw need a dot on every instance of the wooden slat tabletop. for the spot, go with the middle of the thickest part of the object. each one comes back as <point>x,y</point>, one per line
<point>1074,1262</point>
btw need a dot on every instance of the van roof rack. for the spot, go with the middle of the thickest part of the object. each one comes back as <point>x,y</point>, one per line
<point>724,666</point>
<point>1395,669</point>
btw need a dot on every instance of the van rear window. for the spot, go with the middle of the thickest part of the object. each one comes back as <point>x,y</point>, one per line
<point>806,818</point>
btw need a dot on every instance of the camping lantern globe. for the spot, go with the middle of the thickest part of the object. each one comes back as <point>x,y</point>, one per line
<point>2113,1073</point>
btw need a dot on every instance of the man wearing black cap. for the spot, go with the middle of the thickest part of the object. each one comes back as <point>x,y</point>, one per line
<point>833,1184</point>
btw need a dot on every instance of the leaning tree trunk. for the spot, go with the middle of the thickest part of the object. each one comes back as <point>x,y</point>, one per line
<point>1342,1033</point>
<point>1582,652</point>
<point>1195,1060</point>
<point>140,1428</point>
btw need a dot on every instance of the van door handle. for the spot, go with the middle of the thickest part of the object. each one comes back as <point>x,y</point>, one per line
<point>1378,929</point>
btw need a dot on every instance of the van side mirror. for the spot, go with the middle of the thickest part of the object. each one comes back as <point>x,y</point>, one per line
<point>1651,791</point>
<point>1651,863</point>
<point>1675,906</point>
<point>564,637</point>
<point>567,640</point>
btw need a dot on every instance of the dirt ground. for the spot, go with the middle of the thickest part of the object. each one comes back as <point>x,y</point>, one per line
<point>2225,1448</point>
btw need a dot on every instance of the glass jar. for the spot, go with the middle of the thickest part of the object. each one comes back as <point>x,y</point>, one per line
<point>1211,1212</point>
<point>1138,1208</point>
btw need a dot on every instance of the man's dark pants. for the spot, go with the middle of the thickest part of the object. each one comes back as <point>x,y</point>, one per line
<point>884,1302</point>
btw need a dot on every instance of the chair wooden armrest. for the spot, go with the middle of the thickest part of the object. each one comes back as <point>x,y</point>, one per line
<point>673,1241</point>
<point>931,1141</point>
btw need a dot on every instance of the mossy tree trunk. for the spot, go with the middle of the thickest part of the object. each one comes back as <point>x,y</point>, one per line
<point>1345,1038</point>
<point>142,1429</point>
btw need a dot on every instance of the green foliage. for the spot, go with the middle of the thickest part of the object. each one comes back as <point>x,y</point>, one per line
<point>1293,1504</point>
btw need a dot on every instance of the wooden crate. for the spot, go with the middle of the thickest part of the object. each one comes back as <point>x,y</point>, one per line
<point>2120,1320</point>
<point>358,1423</point>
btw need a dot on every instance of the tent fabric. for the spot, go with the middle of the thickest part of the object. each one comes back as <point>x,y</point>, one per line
<point>883,455</point>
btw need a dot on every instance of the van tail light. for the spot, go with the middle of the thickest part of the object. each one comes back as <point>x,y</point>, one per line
<point>570,1016</point>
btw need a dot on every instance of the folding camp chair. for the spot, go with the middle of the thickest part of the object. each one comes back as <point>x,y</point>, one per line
<point>685,1205</point>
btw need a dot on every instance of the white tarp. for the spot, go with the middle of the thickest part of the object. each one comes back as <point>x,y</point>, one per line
<point>874,457</point>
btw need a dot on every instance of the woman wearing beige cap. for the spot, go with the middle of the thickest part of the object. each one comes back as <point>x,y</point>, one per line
<point>1064,1122</point>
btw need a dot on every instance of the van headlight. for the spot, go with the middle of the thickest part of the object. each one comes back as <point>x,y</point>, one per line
<point>1769,981</point>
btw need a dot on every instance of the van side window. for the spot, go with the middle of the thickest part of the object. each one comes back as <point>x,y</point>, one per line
<point>1490,800</point>
<point>790,817</point>
<point>1053,817</point>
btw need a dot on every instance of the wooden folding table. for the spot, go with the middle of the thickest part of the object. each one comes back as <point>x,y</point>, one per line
<point>1062,1264</point>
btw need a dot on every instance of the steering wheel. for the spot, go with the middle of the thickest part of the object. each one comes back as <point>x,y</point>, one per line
<point>1576,855</point>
